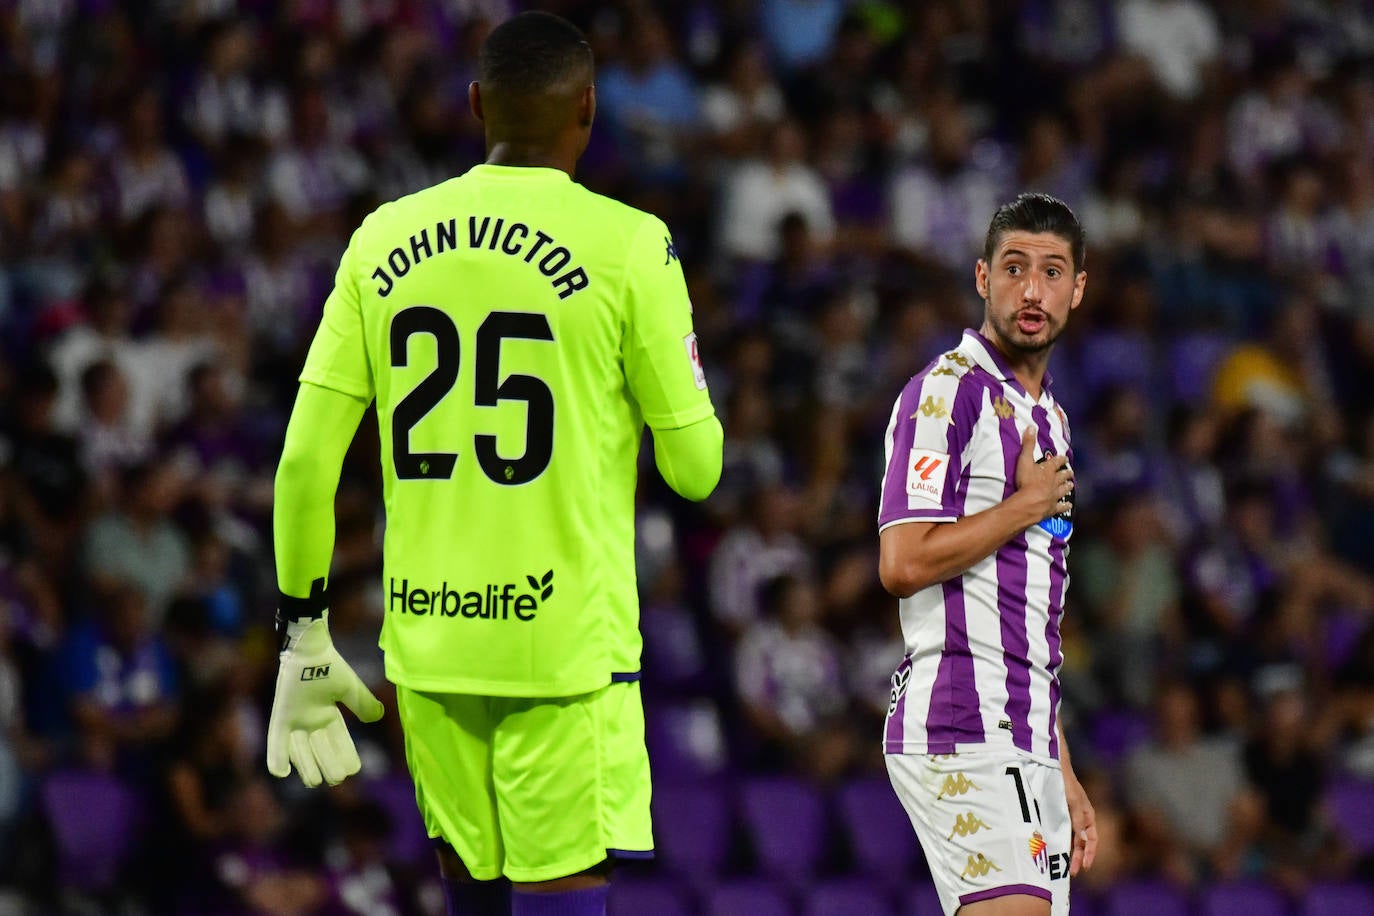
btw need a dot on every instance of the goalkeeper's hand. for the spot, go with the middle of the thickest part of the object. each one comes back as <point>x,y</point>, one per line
<point>307,730</point>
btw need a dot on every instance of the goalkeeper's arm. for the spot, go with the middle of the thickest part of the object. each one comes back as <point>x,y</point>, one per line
<point>689,457</point>
<point>306,729</point>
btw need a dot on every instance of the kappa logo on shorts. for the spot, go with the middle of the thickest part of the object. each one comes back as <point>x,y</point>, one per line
<point>978,866</point>
<point>958,784</point>
<point>967,825</point>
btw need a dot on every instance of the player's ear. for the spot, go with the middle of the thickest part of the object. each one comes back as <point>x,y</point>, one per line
<point>980,278</point>
<point>1080,283</point>
<point>475,100</point>
<point>586,108</point>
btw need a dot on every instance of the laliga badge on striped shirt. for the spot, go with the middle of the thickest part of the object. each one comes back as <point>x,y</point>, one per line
<point>925,475</point>
<point>1061,525</point>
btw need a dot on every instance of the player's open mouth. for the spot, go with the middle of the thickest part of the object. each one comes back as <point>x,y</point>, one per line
<point>1030,322</point>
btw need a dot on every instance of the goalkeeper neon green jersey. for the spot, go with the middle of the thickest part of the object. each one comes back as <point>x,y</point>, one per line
<point>517,332</point>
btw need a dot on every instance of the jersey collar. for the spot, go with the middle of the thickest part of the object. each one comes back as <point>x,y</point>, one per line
<point>521,171</point>
<point>993,362</point>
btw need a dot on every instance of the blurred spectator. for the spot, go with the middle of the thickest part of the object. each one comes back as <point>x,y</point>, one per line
<point>1188,796</point>
<point>759,193</point>
<point>120,684</point>
<point>146,172</point>
<point>1127,580</point>
<point>762,546</point>
<point>940,205</point>
<point>740,109</point>
<point>787,672</point>
<point>1288,770</point>
<point>253,867</point>
<point>137,544</point>
<point>315,174</point>
<point>650,99</point>
<point>1179,39</point>
<point>799,31</point>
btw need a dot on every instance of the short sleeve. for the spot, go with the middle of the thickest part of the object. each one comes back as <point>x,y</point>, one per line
<point>663,366</point>
<point>338,355</point>
<point>925,450</point>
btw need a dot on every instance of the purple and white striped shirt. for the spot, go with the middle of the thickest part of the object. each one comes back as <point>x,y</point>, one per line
<point>982,649</point>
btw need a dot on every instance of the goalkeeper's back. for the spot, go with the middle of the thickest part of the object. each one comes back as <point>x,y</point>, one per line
<point>517,331</point>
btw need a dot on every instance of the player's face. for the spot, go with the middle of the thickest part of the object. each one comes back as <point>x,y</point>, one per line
<point>1029,289</point>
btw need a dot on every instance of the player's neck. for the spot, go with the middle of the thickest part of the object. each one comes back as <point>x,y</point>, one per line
<point>530,156</point>
<point>1027,368</point>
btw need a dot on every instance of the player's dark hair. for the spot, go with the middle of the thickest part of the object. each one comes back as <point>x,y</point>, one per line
<point>1035,212</point>
<point>532,53</point>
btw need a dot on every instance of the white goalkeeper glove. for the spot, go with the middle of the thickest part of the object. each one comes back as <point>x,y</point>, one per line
<point>307,730</point>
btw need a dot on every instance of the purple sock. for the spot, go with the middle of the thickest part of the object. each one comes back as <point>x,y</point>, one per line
<point>476,898</point>
<point>590,901</point>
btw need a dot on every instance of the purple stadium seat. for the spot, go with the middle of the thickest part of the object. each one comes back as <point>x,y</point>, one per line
<point>692,828</point>
<point>1108,358</point>
<point>921,899</point>
<point>878,831</point>
<point>1153,897</point>
<point>1337,900</point>
<point>1350,804</point>
<point>638,896</point>
<point>96,821</point>
<point>685,741</point>
<point>409,843</point>
<point>1192,361</point>
<point>785,821</point>
<point>747,898</point>
<point>846,897</point>
<point>1116,732</point>
<point>1241,900</point>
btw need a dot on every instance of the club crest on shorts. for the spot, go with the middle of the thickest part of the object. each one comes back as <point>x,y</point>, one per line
<point>1039,851</point>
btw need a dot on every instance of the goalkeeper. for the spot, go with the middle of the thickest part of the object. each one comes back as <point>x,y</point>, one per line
<point>517,333</point>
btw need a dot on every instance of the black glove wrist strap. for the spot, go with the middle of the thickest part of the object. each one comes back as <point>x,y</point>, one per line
<point>291,609</point>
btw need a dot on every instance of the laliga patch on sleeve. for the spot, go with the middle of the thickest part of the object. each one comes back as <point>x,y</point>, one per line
<point>925,475</point>
<point>694,357</point>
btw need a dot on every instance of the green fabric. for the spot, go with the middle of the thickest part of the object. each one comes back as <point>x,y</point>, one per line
<point>517,332</point>
<point>690,458</point>
<point>530,788</point>
<point>322,425</point>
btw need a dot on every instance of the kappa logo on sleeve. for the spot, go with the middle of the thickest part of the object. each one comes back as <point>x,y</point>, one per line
<point>925,475</point>
<point>694,357</point>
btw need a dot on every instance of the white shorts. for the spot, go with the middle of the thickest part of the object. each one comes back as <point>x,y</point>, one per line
<point>991,824</point>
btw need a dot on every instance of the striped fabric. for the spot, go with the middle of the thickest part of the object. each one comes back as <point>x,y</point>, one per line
<point>982,649</point>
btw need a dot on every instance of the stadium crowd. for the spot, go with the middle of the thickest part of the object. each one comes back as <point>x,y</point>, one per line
<point>177,181</point>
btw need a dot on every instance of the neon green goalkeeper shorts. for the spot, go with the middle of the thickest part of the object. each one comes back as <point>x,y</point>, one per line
<point>531,788</point>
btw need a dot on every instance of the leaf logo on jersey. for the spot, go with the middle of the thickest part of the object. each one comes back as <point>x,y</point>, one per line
<point>545,583</point>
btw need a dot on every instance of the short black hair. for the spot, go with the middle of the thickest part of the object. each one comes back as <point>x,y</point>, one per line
<point>1036,212</point>
<point>532,53</point>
